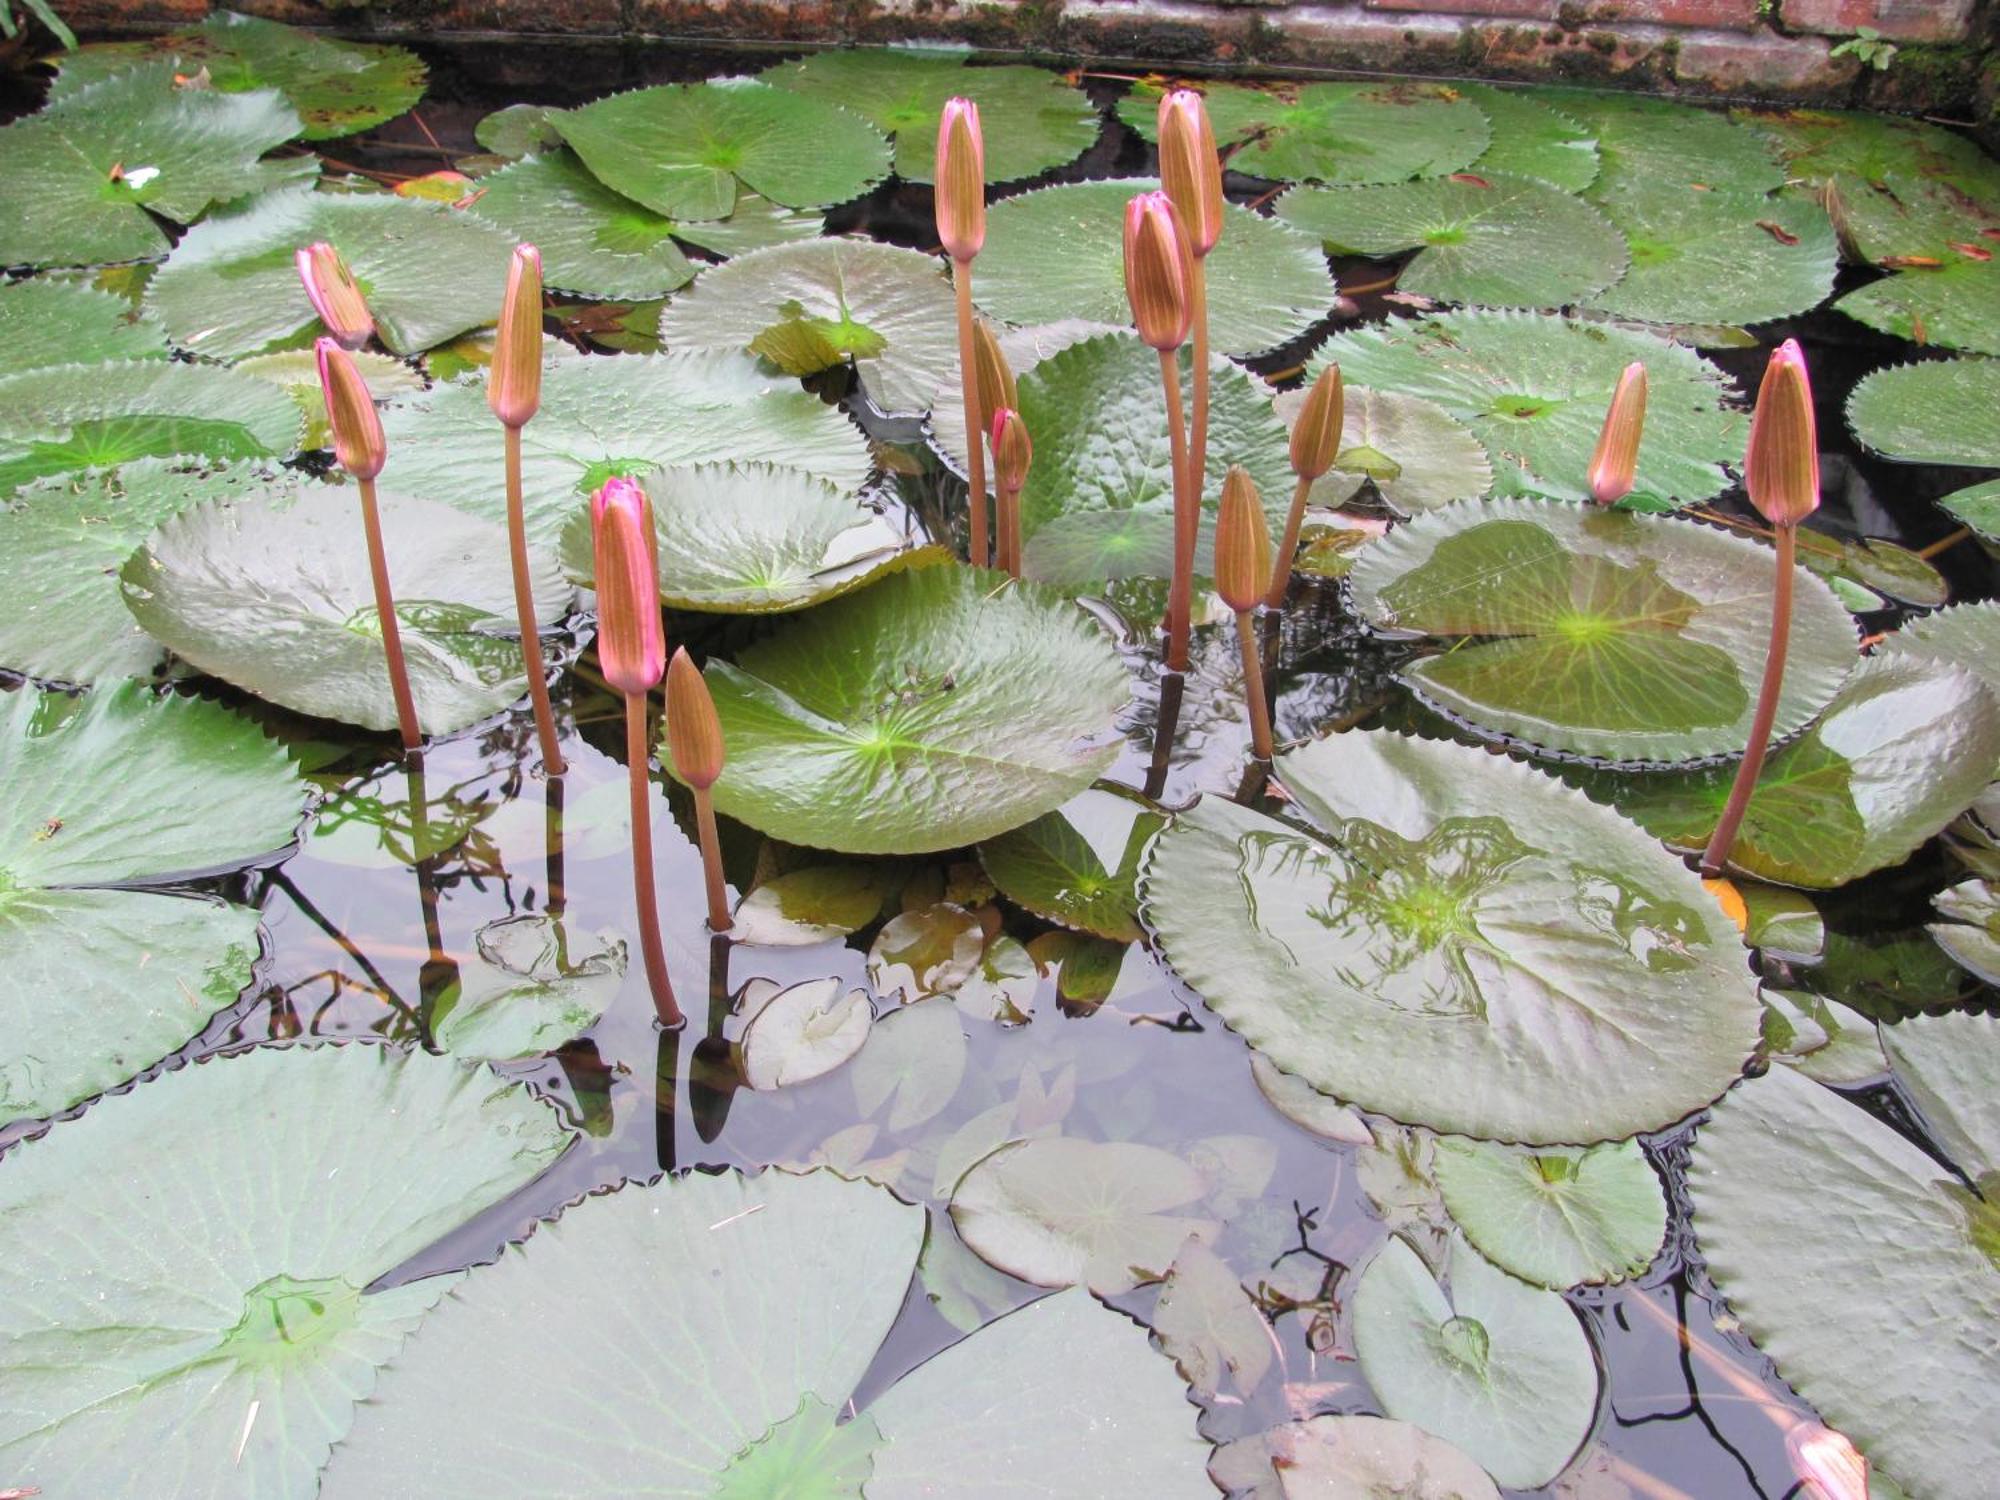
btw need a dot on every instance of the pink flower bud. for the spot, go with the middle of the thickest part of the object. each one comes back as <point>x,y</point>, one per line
<point>1190,167</point>
<point>1158,269</point>
<point>1830,1467</point>
<point>631,641</point>
<point>335,295</point>
<point>514,383</point>
<point>1781,467</point>
<point>1614,466</point>
<point>1012,451</point>
<point>961,181</point>
<point>350,411</point>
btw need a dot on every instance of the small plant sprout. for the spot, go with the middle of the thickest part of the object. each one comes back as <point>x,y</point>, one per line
<point>335,295</point>
<point>1012,456</point>
<point>1191,173</point>
<point>694,740</point>
<point>361,449</point>
<point>514,391</point>
<point>1315,445</point>
<point>1242,576</point>
<point>632,649</point>
<point>1781,474</point>
<point>1158,271</point>
<point>1614,465</point>
<point>961,228</point>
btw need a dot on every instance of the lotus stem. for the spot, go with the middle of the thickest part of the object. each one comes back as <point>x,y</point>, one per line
<point>1198,402</point>
<point>385,613</point>
<point>1253,686</point>
<point>637,757</point>
<point>975,425</point>
<point>1010,532</point>
<point>719,917</point>
<point>1716,858</point>
<point>524,607</point>
<point>1288,549</point>
<point>1187,519</point>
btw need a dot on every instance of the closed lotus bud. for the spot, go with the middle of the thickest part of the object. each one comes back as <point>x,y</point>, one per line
<point>1781,468</point>
<point>1012,452</point>
<point>631,642</point>
<point>961,180</point>
<point>1242,544</point>
<point>1316,434</point>
<point>991,374</point>
<point>1190,168</point>
<point>1157,270</point>
<point>350,411</point>
<point>1828,1464</point>
<point>335,295</point>
<point>1614,466</point>
<point>694,734</point>
<point>514,383</point>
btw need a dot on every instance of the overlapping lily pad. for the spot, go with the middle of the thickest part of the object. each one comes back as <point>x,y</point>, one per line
<point>177,1310</point>
<point>1950,306</point>
<point>1078,865</point>
<point>748,1310</point>
<point>1977,506</point>
<point>1533,138</point>
<point>1602,633</point>
<point>531,987</point>
<point>1702,256</point>
<point>1559,1218</point>
<point>1965,635</point>
<point>1418,456</point>
<point>45,322</point>
<point>1970,932</point>
<point>1641,139</point>
<point>1854,150</point>
<point>1940,412</point>
<point>1468,945</point>
<point>933,709</point>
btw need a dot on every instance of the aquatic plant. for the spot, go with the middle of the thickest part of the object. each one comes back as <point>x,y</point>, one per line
<point>1191,174</point>
<point>1314,447</point>
<point>961,227</point>
<point>335,295</point>
<point>1158,273</point>
<point>694,741</point>
<point>1615,462</point>
<point>1242,577</point>
<point>1013,453</point>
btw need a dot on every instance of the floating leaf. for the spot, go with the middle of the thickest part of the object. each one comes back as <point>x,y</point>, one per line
<point>915,1056</point>
<point>1826,1041</point>
<point>803,1032</point>
<point>1977,506</point>
<point>1306,1107</point>
<point>1856,151</point>
<point>1966,635</point>
<point>1903,218</point>
<point>812,905</point>
<point>1078,865</point>
<point>519,130</point>
<point>1417,455</point>
<point>1531,138</point>
<point>1209,1325</point>
<point>531,988</point>
<point>1556,1218</point>
<point>1700,256</point>
<point>1003,988</point>
<point>1951,306</point>
<point>296,371</point>
<point>929,951</point>
<point>1971,931</point>
<point>1648,140</point>
<point>1941,412</point>
<point>46,322</point>
<point>1350,1458</point>
<point>1880,569</point>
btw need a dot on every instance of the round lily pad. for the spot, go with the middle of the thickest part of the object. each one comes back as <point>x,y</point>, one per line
<point>1970,932</point>
<point>279,600</point>
<point>1489,238</point>
<point>1701,256</point>
<point>1556,1218</point>
<point>176,1306</point>
<point>1531,138</point>
<point>803,1032</point>
<point>934,709</point>
<point>46,322</point>
<point>1078,865</point>
<point>1469,945</point>
<point>1416,453</point>
<point>1535,388</point>
<point>1951,306</point>
<point>1940,412</point>
<point>1610,634</point>
<point>531,987</point>
<point>1054,253</point>
<point>1641,139</point>
<point>748,1309</point>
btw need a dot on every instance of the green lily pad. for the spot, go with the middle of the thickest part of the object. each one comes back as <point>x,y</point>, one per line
<point>278,600</point>
<point>337,87</point>
<point>1535,387</point>
<point>1349,1458</point>
<point>1501,1369</point>
<point>46,322</point>
<point>1826,1041</point>
<point>803,1032</point>
<point>1032,120</point>
<point>1879,570</point>
<point>1610,634</point>
<point>1306,1107</point>
<point>1531,138</point>
<point>1855,150</point>
<point>683,149</point>
<point>531,988</point>
<point>806,308</point>
<point>913,1061</point>
<point>1415,452</point>
<point>1970,932</point>
<point>1495,239</point>
<point>1647,140</point>
<point>296,372</point>
<point>1079,865</point>
<point>176,152</point>
<point>519,130</point>
<point>1054,253</point>
<point>1966,635</point>
<point>930,950</point>
<point>932,710</point>
<point>175,1306</point>
<point>1861,1266</point>
<point>750,1309</point>
<point>1556,1218</point>
<point>628,414</point>
<point>811,905</point>
<point>1977,506</point>
<point>1940,412</point>
<point>67,419</point>
<point>1547,976</point>
<point>1903,217</point>
<point>1951,306</point>
<point>1780,922</point>
<point>429,272</point>
<point>1700,256</point>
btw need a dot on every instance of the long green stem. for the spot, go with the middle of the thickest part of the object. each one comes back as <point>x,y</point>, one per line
<point>638,756</point>
<point>975,428</point>
<point>719,919</point>
<point>1253,686</point>
<point>1187,519</point>
<point>1288,549</point>
<point>524,608</point>
<point>1198,404</point>
<point>385,614</point>
<point>1716,858</point>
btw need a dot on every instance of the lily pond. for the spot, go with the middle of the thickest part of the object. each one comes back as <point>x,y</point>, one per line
<point>1074,1102</point>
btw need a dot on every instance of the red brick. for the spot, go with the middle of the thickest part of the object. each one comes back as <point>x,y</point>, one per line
<point>1731,15</point>
<point>1900,20</point>
<point>1727,64</point>
<point>1525,10</point>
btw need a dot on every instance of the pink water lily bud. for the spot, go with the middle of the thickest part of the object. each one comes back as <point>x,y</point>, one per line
<point>1781,466</point>
<point>1242,543</point>
<point>1828,1465</point>
<point>514,383</point>
<point>961,181</point>
<point>1614,466</point>
<point>694,733</point>
<point>1316,434</point>
<point>350,411</point>
<point>631,641</point>
<point>1012,451</point>
<point>1191,168</point>
<point>335,295</point>
<point>1158,268</point>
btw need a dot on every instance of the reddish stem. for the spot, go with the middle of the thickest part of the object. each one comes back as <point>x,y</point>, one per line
<point>1253,686</point>
<point>719,919</point>
<point>524,608</point>
<point>1288,549</point>
<point>638,757</point>
<point>385,614</point>
<point>1187,519</point>
<point>975,427</point>
<point>1716,858</point>
<point>1198,402</point>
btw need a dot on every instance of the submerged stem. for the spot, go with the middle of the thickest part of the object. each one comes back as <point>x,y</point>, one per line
<point>1288,549</point>
<point>1187,518</point>
<point>1253,686</point>
<point>719,919</point>
<point>638,755</point>
<point>1716,858</point>
<point>385,614</point>
<point>975,427</point>
<point>524,608</point>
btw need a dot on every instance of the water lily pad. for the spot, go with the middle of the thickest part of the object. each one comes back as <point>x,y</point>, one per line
<point>916,1057</point>
<point>683,149</point>
<point>533,986</point>
<point>811,905</point>
<point>1951,306</point>
<point>1603,633</point>
<point>1054,253</point>
<point>279,601</point>
<point>174,1305</point>
<point>1966,635</point>
<point>46,322</point>
<point>806,308</point>
<point>1901,218</point>
<point>1535,387</point>
<point>1078,865</point>
<point>1977,506</point>
<point>931,950</point>
<point>750,1309</point>
<point>1802,1200</point>
<point>1648,140</point>
<point>296,371</point>
<point>519,130</point>
<point>1531,138</point>
<point>174,152</point>
<point>932,710</point>
<point>1033,121</point>
<point>1490,238</point>
<point>1970,932</point>
<point>1499,1368</point>
<point>1701,256</point>
<point>1208,1323</point>
<point>1548,974</point>
<point>1415,452</point>
<point>1306,1107</point>
<point>1940,412</point>
<point>1826,1041</point>
<point>1556,1218</point>
<point>1854,150</point>
<point>803,1032</point>
<point>1351,1458</point>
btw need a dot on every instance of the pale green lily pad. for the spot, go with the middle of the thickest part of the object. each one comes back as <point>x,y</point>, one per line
<point>279,601</point>
<point>1877,569</point>
<point>45,322</point>
<point>1951,307</point>
<point>1648,140</point>
<point>1532,138</point>
<point>813,905</point>
<point>931,950</point>
<point>1556,1218</point>
<point>518,130</point>
<point>934,709</point>
<point>1857,1262</point>
<point>1826,1041</point>
<point>806,308</point>
<point>803,1032</point>
<point>1610,634</point>
<point>1939,412</point>
<point>1701,256</point>
<point>1904,217</point>
<point>429,272</point>
<point>1078,865</point>
<point>296,371</point>
<point>1494,239</point>
<point>1549,975</point>
<point>533,986</point>
<point>1977,506</point>
<point>1780,922</point>
<point>1970,932</point>
<point>914,1057</point>
<point>750,1309</point>
<point>1417,454</point>
<point>1209,1325</point>
<point>1349,1458</point>
<point>684,149</point>
<point>1054,253</point>
<point>1535,387</point>
<point>1965,635</point>
<point>1003,987</point>
<point>1306,1107</point>
<point>176,1307</point>
<point>1031,119</point>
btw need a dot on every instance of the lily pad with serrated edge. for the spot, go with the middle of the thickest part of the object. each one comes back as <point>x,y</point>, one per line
<point>1534,388</point>
<point>1951,307</point>
<point>279,601</point>
<point>1701,256</point>
<point>1939,412</point>
<point>165,1282</point>
<point>531,987</point>
<point>1904,217</point>
<point>1077,865</point>
<point>1647,140</point>
<point>1970,932</point>
<point>1804,1200</point>
<point>1053,254</point>
<point>1493,239</point>
<point>1977,506</point>
<point>1609,634</point>
<point>1558,1219</point>
<point>1532,138</point>
<point>1965,635</point>
<point>1826,1041</point>
<point>45,322</point>
<point>1854,150</point>
<point>1416,453</point>
<point>1466,944</point>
